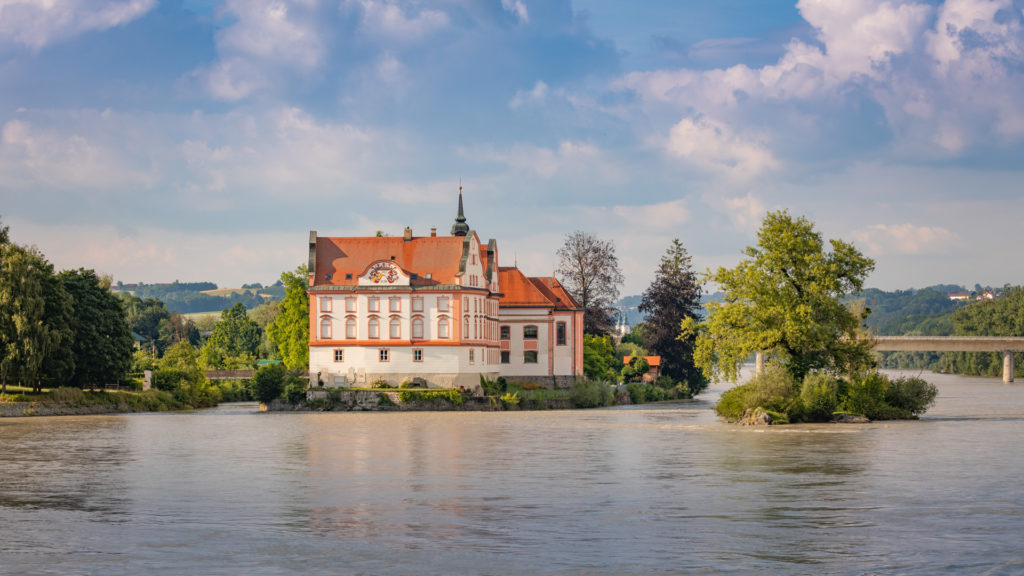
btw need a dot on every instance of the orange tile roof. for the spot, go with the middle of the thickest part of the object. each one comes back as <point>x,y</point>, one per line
<point>651,360</point>
<point>517,289</point>
<point>555,292</point>
<point>339,257</point>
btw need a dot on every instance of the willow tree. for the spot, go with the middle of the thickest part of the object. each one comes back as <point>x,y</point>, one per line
<point>784,299</point>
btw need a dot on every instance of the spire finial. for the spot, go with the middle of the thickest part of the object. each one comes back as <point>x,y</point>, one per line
<point>460,228</point>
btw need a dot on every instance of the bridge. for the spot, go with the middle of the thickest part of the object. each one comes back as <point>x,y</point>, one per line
<point>1006,344</point>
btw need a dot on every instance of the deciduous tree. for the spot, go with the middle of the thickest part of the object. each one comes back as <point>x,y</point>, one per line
<point>784,298</point>
<point>234,337</point>
<point>102,345</point>
<point>672,297</point>
<point>589,269</point>
<point>290,330</point>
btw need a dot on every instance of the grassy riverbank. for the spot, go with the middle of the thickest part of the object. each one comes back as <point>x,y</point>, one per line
<point>69,401</point>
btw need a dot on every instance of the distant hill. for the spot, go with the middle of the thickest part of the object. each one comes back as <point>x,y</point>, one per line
<point>197,297</point>
<point>627,307</point>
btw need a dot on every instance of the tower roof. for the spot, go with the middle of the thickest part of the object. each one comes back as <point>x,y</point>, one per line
<point>460,228</point>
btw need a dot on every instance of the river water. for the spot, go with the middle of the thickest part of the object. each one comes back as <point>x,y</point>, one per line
<point>656,489</point>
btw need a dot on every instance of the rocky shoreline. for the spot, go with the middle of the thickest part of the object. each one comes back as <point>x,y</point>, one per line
<point>27,409</point>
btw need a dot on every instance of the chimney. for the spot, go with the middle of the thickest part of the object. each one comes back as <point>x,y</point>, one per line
<point>433,231</point>
<point>408,234</point>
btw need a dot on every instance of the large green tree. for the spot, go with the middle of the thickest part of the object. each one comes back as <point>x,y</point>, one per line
<point>672,297</point>
<point>22,315</point>
<point>290,330</point>
<point>144,317</point>
<point>234,341</point>
<point>784,299</point>
<point>102,346</point>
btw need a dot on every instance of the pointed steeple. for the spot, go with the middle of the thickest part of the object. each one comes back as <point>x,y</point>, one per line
<point>460,228</point>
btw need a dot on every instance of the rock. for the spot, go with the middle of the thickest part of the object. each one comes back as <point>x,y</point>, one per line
<point>755,417</point>
<point>849,419</point>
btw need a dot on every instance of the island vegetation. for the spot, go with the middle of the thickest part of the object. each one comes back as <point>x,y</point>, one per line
<point>785,300</point>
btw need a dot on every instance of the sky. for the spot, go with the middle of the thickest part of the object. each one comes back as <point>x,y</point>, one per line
<point>202,140</point>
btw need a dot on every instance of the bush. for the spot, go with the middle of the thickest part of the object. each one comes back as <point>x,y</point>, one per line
<point>911,395</point>
<point>591,393</point>
<point>294,387</point>
<point>866,396</point>
<point>774,391</point>
<point>268,383</point>
<point>819,395</point>
<point>510,399</point>
<point>450,395</point>
<point>492,387</point>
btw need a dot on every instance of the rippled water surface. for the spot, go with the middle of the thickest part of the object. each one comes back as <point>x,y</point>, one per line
<point>663,489</point>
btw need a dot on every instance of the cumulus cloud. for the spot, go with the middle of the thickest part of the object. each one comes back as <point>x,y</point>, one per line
<point>568,158</point>
<point>37,24</point>
<point>537,95</point>
<point>948,78</point>
<point>389,21</point>
<point>264,39</point>
<point>710,145</point>
<point>744,212</point>
<point>906,239</point>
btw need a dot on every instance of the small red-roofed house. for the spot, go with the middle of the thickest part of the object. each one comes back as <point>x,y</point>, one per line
<point>437,311</point>
<point>653,367</point>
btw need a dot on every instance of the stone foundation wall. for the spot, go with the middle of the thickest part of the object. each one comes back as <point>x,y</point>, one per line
<point>546,381</point>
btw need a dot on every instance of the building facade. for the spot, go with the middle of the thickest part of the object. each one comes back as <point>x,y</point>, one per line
<point>436,311</point>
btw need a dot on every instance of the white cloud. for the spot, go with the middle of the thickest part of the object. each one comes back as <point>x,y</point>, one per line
<point>744,212</point>
<point>907,239</point>
<point>713,146</point>
<point>660,216</point>
<point>387,20</point>
<point>568,158</point>
<point>37,24</point>
<point>518,8</point>
<point>265,41</point>
<point>537,95</point>
<point>948,78</point>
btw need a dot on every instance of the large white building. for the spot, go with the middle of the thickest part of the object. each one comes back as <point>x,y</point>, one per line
<point>435,310</point>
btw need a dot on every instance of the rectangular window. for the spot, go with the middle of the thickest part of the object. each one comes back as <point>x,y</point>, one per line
<point>417,355</point>
<point>417,327</point>
<point>339,355</point>
<point>471,355</point>
<point>417,304</point>
<point>395,329</point>
<point>394,304</point>
<point>506,333</point>
<point>350,328</point>
<point>505,356</point>
<point>374,304</point>
<point>560,334</point>
<point>529,332</point>
<point>530,357</point>
<point>442,304</point>
<point>350,304</point>
<point>325,303</point>
<point>384,354</point>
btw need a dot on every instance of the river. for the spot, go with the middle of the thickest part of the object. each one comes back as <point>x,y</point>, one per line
<point>656,489</point>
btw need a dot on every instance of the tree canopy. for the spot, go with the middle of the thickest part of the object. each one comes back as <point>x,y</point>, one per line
<point>234,341</point>
<point>784,299</point>
<point>589,269</point>
<point>290,329</point>
<point>672,297</point>
<point>102,345</point>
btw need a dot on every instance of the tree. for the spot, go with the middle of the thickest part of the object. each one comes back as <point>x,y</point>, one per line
<point>102,345</point>
<point>784,298</point>
<point>672,297</point>
<point>177,328</point>
<point>290,330</point>
<point>23,332</point>
<point>599,358</point>
<point>145,317</point>
<point>178,372</point>
<point>234,341</point>
<point>589,269</point>
<point>268,382</point>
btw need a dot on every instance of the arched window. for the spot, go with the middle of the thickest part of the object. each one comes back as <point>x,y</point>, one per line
<point>374,328</point>
<point>442,327</point>
<point>395,329</point>
<point>465,327</point>
<point>325,328</point>
<point>417,327</point>
<point>350,327</point>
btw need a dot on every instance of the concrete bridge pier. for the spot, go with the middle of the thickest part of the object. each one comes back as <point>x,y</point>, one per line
<point>759,363</point>
<point>1007,366</point>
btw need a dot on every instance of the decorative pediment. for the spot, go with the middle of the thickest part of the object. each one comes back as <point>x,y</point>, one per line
<point>384,273</point>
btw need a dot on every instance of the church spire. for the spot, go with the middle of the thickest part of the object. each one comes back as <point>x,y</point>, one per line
<point>460,228</point>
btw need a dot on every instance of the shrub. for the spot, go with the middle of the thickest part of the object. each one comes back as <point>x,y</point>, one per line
<point>591,393</point>
<point>866,396</point>
<point>492,387</point>
<point>450,395</point>
<point>912,395</point>
<point>268,382</point>
<point>294,387</point>
<point>819,395</point>
<point>773,390</point>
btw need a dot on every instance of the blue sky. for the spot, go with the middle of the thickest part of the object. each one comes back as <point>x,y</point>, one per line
<point>198,140</point>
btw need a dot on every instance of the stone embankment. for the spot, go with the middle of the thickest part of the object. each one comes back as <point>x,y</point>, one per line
<point>19,409</point>
<point>320,400</point>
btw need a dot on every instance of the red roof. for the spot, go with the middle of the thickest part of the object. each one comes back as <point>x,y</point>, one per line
<point>651,360</point>
<point>521,290</point>
<point>343,260</point>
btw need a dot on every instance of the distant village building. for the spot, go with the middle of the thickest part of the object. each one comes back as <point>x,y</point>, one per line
<point>435,311</point>
<point>653,367</point>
